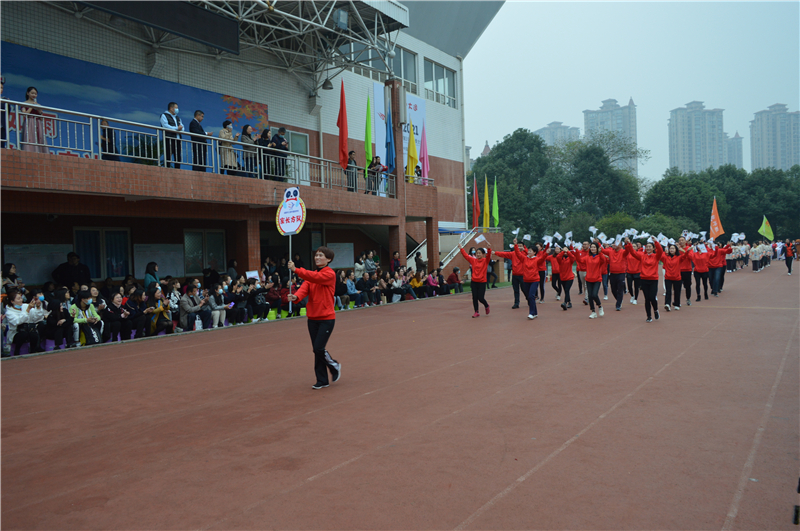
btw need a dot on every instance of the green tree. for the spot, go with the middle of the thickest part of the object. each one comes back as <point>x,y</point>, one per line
<point>578,223</point>
<point>601,189</point>
<point>670,226</point>
<point>690,196</point>
<point>616,223</point>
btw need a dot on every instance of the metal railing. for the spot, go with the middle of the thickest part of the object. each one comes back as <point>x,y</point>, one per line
<point>410,256</point>
<point>422,181</point>
<point>43,129</point>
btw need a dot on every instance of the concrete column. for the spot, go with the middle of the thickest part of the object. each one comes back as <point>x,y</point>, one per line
<point>397,233</point>
<point>397,240</point>
<point>432,234</point>
<point>248,244</point>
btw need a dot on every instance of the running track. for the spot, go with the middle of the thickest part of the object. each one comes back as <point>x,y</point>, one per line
<point>439,422</point>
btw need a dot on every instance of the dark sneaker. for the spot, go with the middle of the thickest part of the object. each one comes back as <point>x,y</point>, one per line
<point>649,320</point>
<point>657,316</point>
<point>515,307</point>
<point>318,386</point>
<point>564,306</point>
<point>336,373</point>
<point>569,305</point>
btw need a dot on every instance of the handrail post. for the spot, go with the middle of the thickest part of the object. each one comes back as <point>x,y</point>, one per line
<point>91,137</point>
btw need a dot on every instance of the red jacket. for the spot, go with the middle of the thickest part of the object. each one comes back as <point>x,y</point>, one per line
<point>516,263</point>
<point>479,267</point>
<point>319,286</point>
<point>672,266</point>
<point>634,265</point>
<point>686,262</point>
<point>595,266</point>
<point>618,259</point>
<point>789,250</point>
<point>543,263</point>
<point>579,256</point>
<point>700,261</point>
<point>530,266</point>
<point>718,256</point>
<point>565,260</point>
<point>650,262</point>
<point>453,278</point>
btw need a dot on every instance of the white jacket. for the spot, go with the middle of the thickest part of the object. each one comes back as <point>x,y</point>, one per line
<point>16,317</point>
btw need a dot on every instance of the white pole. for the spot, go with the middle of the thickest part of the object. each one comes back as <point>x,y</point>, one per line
<point>290,278</point>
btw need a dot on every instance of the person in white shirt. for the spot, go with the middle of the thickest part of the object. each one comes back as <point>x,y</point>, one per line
<point>22,319</point>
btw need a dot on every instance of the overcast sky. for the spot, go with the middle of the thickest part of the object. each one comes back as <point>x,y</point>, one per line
<point>540,62</point>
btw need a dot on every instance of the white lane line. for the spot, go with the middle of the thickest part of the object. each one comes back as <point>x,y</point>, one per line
<point>505,492</point>
<point>748,465</point>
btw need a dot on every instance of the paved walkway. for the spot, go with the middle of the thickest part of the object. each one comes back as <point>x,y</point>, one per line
<point>439,422</point>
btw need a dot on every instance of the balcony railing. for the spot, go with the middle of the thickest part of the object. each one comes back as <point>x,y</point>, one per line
<point>42,129</point>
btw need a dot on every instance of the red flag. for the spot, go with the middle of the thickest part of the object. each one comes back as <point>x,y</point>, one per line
<point>342,124</point>
<point>476,205</point>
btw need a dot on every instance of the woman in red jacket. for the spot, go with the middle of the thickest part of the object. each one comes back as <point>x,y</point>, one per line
<point>686,268</point>
<point>542,270</point>
<point>788,251</point>
<point>596,264</point>
<point>555,276</point>
<point>480,264</point>
<point>516,270</point>
<point>531,265</point>
<point>634,274</point>
<point>565,258</point>
<point>319,287</point>
<point>653,253</point>
<point>672,276</point>
<point>700,256</point>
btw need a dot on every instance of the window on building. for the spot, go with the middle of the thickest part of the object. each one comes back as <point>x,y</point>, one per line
<point>106,252</point>
<point>203,248</point>
<point>404,64</point>
<point>440,84</point>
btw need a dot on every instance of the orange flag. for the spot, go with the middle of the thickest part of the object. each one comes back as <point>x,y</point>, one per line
<point>716,225</point>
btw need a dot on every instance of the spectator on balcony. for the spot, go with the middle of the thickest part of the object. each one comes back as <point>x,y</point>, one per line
<point>72,271</point>
<point>250,152</point>
<point>418,175</point>
<point>266,153</point>
<point>227,155</point>
<point>281,147</point>
<point>108,142</point>
<point>172,123</point>
<point>352,172</point>
<point>199,145</point>
<point>33,124</point>
<point>372,176</point>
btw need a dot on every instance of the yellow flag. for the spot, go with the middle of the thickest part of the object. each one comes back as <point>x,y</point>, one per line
<point>413,159</point>
<point>485,203</point>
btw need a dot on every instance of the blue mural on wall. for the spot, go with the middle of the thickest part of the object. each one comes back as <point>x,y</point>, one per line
<point>76,85</point>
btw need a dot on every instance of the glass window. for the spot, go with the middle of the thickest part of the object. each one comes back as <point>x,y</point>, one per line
<point>298,143</point>
<point>409,66</point>
<point>397,65</point>
<point>87,245</point>
<point>215,250</point>
<point>451,83</point>
<point>193,252</point>
<point>117,254</point>
<point>429,83</point>
<point>439,76</point>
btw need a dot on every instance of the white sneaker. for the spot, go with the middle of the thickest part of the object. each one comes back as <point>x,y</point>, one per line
<point>665,293</point>
<point>532,317</point>
<point>601,312</point>
<point>592,315</point>
<point>605,298</point>
<point>558,297</point>
<point>666,307</point>
<point>635,301</point>
<point>676,308</point>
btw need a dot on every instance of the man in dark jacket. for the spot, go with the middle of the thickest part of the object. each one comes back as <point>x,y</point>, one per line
<point>173,125</point>
<point>199,147</point>
<point>281,146</point>
<point>72,271</point>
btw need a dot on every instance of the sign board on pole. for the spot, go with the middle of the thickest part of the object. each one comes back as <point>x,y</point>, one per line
<point>291,215</point>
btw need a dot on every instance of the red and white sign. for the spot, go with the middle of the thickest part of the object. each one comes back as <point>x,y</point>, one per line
<point>291,214</point>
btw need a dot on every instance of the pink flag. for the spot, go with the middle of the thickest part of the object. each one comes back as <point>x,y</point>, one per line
<point>423,157</point>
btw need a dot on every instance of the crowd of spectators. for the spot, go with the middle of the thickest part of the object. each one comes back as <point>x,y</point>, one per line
<point>74,311</point>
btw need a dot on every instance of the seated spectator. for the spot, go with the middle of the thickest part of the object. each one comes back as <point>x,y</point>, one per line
<point>59,322</point>
<point>219,308</point>
<point>99,302</point>
<point>355,295</point>
<point>364,286</point>
<point>86,319</point>
<point>174,296</point>
<point>240,311</point>
<point>433,288</point>
<point>443,289</point>
<point>136,305</point>
<point>108,289</point>
<point>11,280</point>
<point>454,282</point>
<point>49,288</point>
<point>418,284</point>
<point>39,302</point>
<point>20,317</point>
<point>72,271</point>
<point>340,296</point>
<point>193,307</point>
<point>400,286</point>
<point>210,277</point>
<point>117,320</point>
<point>158,318</point>
<point>259,307</point>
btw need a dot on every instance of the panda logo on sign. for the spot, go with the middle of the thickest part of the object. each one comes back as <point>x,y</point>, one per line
<point>291,194</point>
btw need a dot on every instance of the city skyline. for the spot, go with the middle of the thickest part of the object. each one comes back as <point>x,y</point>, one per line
<point>660,72</point>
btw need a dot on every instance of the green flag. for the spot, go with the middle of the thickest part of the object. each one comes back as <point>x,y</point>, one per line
<point>766,230</point>
<point>368,137</point>
<point>495,206</point>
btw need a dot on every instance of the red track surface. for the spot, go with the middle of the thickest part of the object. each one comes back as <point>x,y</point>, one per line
<point>439,422</point>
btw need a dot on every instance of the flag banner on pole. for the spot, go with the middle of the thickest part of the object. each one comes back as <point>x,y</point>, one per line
<point>766,230</point>
<point>413,159</point>
<point>495,206</point>
<point>476,206</point>
<point>390,150</point>
<point>716,224</point>
<point>423,157</point>
<point>341,123</point>
<point>527,237</point>
<point>485,202</point>
<point>368,136</point>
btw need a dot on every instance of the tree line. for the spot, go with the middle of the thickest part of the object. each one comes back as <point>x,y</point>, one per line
<point>572,186</point>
